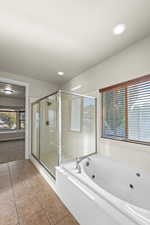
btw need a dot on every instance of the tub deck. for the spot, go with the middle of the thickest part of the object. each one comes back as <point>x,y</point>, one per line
<point>97,201</point>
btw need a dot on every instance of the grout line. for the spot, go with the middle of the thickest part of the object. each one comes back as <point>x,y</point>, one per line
<point>44,208</point>
<point>10,172</point>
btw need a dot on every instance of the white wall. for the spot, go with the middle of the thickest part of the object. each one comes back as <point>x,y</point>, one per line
<point>131,63</point>
<point>37,89</point>
<point>12,102</point>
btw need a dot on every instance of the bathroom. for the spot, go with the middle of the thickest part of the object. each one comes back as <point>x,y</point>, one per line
<point>87,85</point>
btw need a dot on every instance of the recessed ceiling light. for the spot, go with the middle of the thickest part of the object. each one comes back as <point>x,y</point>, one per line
<point>8,90</point>
<point>119,29</point>
<point>60,73</point>
<point>76,87</point>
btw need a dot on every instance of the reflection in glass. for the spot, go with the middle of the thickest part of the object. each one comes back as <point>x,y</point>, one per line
<point>49,133</point>
<point>78,126</point>
<point>35,130</point>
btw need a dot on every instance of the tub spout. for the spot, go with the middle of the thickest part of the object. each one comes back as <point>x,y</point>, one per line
<point>78,160</point>
<point>77,166</point>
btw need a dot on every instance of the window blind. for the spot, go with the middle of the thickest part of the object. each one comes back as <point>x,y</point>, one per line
<point>126,111</point>
<point>139,112</point>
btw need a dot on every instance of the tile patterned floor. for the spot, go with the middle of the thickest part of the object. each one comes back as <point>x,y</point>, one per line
<point>26,198</point>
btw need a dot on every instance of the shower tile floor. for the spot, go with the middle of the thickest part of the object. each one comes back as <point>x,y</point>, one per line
<point>26,198</point>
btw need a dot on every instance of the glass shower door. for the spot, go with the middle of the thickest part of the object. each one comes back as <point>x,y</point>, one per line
<point>63,128</point>
<point>49,133</point>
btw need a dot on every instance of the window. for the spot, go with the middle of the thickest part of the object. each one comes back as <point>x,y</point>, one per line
<point>7,120</point>
<point>75,115</point>
<point>12,120</point>
<point>21,120</point>
<point>113,113</point>
<point>126,111</point>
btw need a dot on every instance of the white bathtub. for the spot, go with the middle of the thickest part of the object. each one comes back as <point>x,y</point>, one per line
<point>106,192</point>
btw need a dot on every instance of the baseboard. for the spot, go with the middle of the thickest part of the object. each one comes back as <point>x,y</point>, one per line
<point>12,139</point>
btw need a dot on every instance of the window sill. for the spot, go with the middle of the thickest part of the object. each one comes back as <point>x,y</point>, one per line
<point>11,131</point>
<point>126,140</point>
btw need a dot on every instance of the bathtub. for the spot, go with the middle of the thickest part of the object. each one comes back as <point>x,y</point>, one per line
<point>106,192</point>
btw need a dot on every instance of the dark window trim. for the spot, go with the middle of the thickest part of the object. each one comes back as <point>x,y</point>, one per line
<point>115,87</point>
<point>21,120</point>
<point>126,83</point>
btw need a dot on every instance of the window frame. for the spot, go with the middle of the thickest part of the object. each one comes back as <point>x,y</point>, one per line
<point>20,120</point>
<point>115,87</point>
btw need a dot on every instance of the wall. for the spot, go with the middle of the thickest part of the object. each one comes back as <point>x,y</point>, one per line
<point>12,102</point>
<point>131,63</point>
<point>37,89</point>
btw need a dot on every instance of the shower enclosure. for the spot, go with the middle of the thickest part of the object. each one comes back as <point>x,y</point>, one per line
<point>63,128</point>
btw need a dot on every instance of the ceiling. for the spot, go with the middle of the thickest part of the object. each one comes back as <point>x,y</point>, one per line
<point>40,38</point>
<point>18,91</point>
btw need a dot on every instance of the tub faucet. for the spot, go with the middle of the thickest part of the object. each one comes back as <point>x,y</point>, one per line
<point>78,160</point>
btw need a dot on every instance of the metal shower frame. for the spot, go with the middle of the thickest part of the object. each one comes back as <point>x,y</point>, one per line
<point>59,93</point>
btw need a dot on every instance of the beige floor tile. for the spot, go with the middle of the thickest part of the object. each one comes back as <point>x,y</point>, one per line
<point>28,206</point>
<point>6,195</point>
<point>68,220</point>
<point>38,218</point>
<point>27,199</point>
<point>46,199</point>
<point>56,212</point>
<point>4,181</point>
<point>8,214</point>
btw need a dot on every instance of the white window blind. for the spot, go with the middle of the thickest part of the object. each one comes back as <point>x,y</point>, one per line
<point>126,111</point>
<point>139,112</point>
